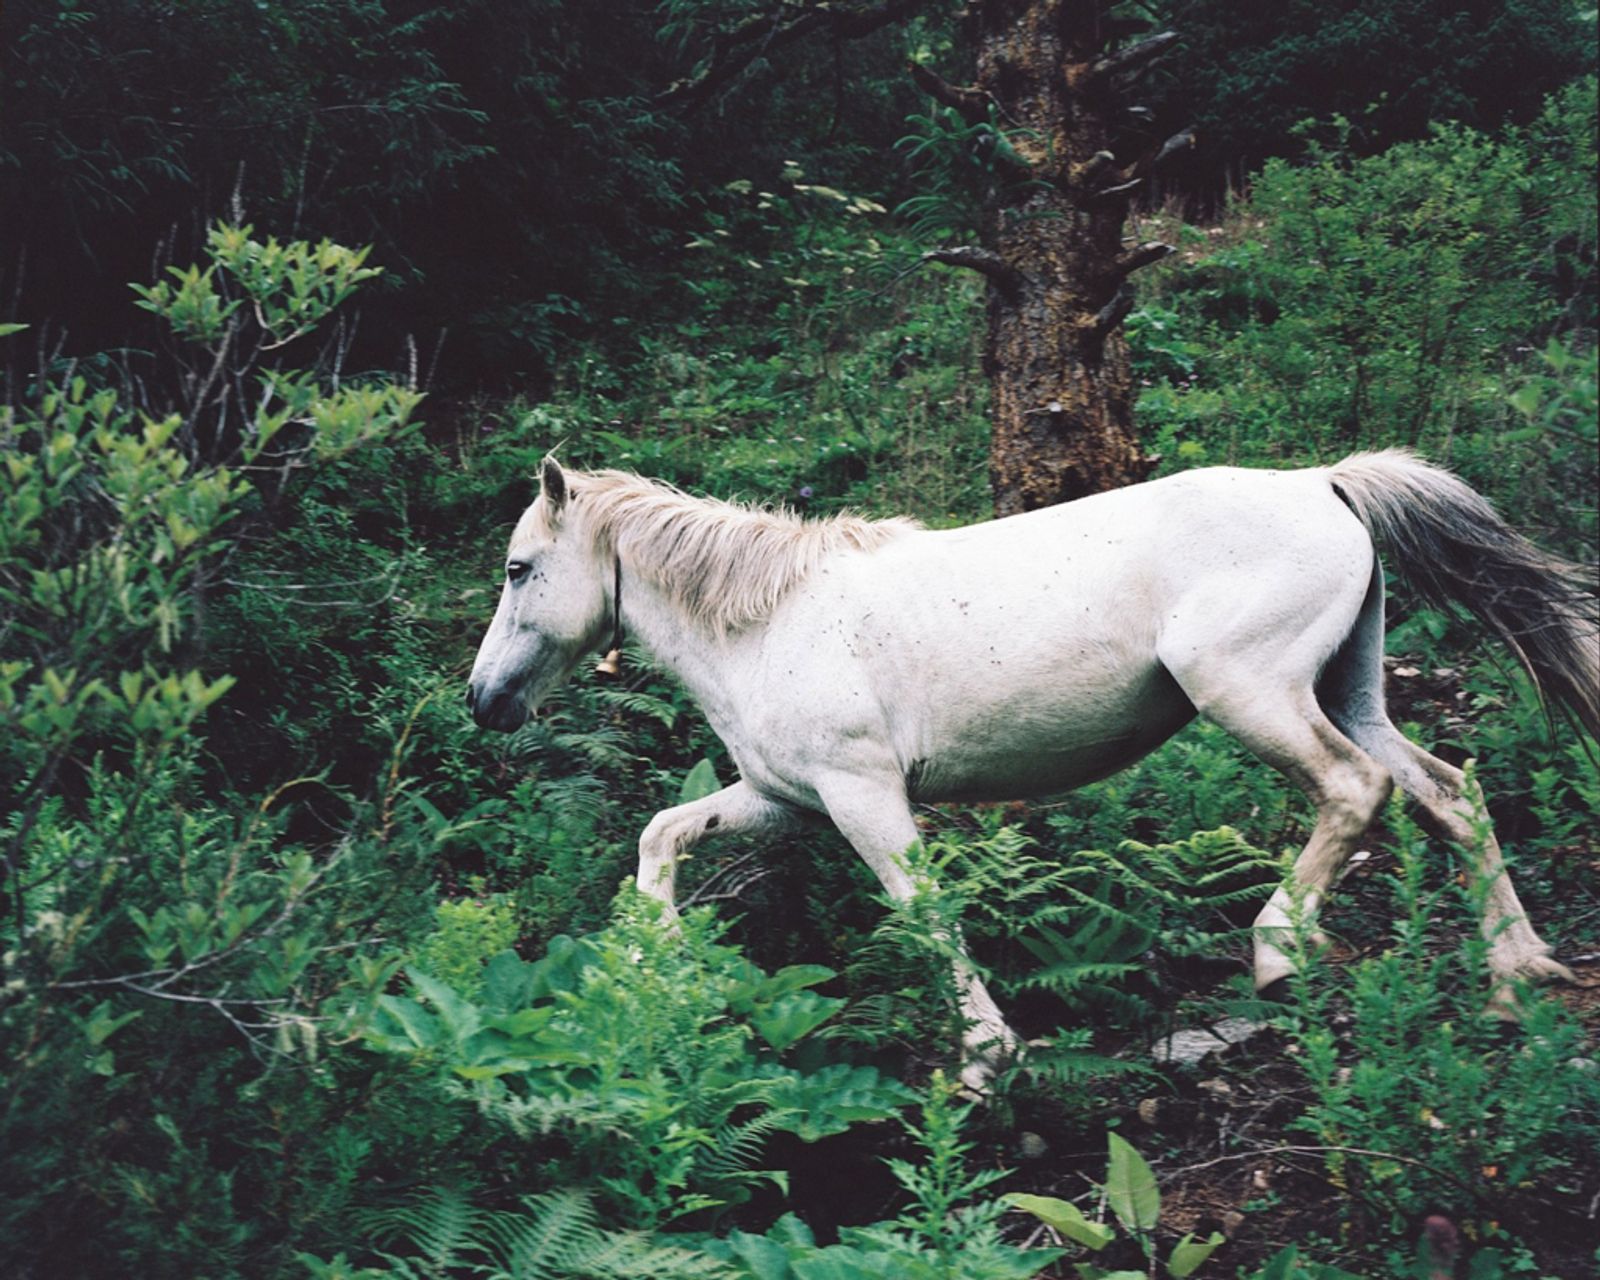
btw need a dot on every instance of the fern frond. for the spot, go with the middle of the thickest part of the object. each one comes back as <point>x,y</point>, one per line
<point>441,1226</point>
<point>631,1256</point>
<point>1069,979</point>
<point>1076,1067</point>
<point>553,1238</point>
<point>738,1146</point>
<point>638,703</point>
<point>604,747</point>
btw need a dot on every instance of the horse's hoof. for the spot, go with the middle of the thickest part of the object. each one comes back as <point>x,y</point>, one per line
<point>1547,969</point>
<point>1275,992</point>
<point>976,1083</point>
<point>1538,968</point>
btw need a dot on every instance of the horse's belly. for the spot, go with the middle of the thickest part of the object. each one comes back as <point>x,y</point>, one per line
<point>1015,749</point>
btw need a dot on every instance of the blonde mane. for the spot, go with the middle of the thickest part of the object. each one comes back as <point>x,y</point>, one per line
<point>726,564</point>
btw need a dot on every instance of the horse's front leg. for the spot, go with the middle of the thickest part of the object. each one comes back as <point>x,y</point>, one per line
<point>875,817</point>
<point>736,810</point>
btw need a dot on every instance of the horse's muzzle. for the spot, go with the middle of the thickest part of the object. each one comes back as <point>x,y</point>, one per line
<point>503,710</point>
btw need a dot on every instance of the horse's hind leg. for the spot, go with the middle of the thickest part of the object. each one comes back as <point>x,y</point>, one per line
<point>1452,809</point>
<point>1348,788</point>
<point>1266,701</point>
<point>1452,806</point>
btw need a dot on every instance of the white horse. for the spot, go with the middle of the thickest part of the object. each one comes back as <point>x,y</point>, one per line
<point>853,667</point>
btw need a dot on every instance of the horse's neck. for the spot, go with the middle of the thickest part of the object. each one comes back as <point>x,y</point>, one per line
<point>675,641</point>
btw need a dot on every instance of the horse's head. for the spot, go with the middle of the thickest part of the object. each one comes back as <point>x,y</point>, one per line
<point>553,609</point>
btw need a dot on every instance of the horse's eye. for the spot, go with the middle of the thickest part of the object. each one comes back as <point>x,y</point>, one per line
<point>517,570</point>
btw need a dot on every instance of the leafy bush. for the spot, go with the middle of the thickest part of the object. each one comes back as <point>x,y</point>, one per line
<point>1358,300</point>
<point>174,963</point>
<point>655,1053</point>
<point>1426,1103</point>
<point>945,1232</point>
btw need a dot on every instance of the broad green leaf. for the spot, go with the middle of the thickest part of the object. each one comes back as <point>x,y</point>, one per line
<point>418,1027</point>
<point>560,968</point>
<point>524,1022</point>
<point>102,1024</point>
<point>793,977</point>
<point>844,1262</point>
<point>831,1100</point>
<point>1280,1266</point>
<point>1287,1264</point>
<point>1525,400</point>
<point>1065,1217</point>
<point>700,783</point>
<point>1131,1187</point>
<point>792,1017</point>
<point>458,1015</point>
<point>763,1258</point>
<point>1189,1253</point>
<point>508,983</point>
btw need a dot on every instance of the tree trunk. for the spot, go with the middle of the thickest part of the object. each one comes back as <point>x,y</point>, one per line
<point>1057,267</point>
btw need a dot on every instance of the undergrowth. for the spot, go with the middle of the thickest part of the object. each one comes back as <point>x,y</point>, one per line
<point>304,974</point>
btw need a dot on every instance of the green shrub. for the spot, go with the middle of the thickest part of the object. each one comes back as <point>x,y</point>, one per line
<point>1425,1103</point>
<point>655,1053</point>
<point>176,965</point>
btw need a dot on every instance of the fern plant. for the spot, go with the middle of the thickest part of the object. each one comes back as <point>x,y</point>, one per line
<point>946,1230</point>
<point>1424,1103</point>
<point>955,160</point>
<point>656,1054</point>
<point>553,1236</point>
<point>1098,924</point>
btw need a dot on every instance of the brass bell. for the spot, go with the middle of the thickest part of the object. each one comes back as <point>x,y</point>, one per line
<point>610,665</point>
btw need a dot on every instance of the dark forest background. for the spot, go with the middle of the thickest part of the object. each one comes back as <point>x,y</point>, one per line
<point>303,975</point>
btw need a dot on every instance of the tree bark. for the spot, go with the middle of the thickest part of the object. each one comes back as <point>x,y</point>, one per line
<point>1062,388</point>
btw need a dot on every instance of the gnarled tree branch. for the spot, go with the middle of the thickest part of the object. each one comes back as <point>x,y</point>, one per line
<point>1086,173</point>
<point>971,101</point>
<point>984,261</point>
<point>1151,251</point>
<point>1181,141</point>
<point>735,50</point>
<point>1155,157</point>
<point>1113,313</point>
<point>1134,57</point>
<point>1107,194</point>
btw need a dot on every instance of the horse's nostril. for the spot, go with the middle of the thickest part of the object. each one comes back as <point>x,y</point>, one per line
<point>472,697</point>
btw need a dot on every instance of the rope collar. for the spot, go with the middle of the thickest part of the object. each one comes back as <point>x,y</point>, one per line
<point>611,664</point>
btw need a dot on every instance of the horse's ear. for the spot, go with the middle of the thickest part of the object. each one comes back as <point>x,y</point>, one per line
<point>553,481</point>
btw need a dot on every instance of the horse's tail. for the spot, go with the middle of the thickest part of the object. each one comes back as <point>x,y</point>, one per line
<point>1453,548</point>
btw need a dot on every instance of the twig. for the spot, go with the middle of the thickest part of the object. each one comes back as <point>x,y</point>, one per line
<point>1267,1152</point>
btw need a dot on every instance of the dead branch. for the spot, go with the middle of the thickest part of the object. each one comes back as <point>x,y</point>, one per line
<point>1091,169</point>
<point>733,51</point>
<point>1107,194</point>
<point>984,261</point>
<point>1113,313</point>
<point>1134,58</point>
<point>970,101</point>
<point>1180,141</point>
<point>1151,251</point>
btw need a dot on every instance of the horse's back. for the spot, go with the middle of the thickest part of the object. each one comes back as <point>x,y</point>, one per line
<point>1025,655</point>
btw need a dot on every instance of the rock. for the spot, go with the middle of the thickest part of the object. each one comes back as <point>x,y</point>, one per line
<point>1191,1045</point>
